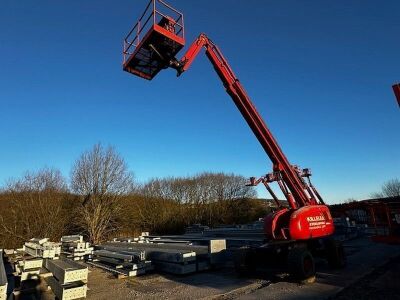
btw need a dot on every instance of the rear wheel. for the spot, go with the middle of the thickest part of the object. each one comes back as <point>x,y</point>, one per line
<point>335,254</point>
<point>301,264</point>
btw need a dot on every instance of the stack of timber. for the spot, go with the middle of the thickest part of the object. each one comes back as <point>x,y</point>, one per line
<point>3,278</point>
<point>41,247</point>
<point>175,258</point>
<point>121,262</point>
<point>74,247</point>
<point>28,267</point>
<point>69,280</point>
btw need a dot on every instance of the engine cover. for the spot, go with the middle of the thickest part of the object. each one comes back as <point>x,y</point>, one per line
<point>305,223</point>
<point>311,222</point>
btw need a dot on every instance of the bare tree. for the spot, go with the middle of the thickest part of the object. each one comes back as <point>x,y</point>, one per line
<point>390,188</point>
<point>36,203</point>
<point>201,188</point>
<point>203,198</point>
<point>100,176</point>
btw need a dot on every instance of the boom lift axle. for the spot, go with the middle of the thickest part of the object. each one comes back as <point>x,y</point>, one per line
<point>307,217</point>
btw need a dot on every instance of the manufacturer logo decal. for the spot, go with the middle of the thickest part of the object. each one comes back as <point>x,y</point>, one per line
<point>316,222</point>
<point>315,219</point>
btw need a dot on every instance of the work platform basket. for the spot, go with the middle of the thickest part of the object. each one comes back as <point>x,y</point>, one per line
<point>154,40</point>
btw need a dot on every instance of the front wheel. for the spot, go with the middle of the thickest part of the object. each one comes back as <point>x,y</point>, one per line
<point>301,264</point>
<point>245,261</point>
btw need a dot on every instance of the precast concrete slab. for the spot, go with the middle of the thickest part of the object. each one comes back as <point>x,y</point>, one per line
<point>69,291</point>
<point>67,271</point>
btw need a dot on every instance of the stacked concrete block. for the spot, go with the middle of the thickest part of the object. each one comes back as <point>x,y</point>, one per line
<point>245,235</point>
<point>76,248</point>
<point>173,261</point>
<point>28,268</point>
<point>122,262</point>
<point>143,238</point>
<point>175,258</point>
<point>196,228</point>
<point>235,236</point>
<point>41,247</point>
<point>167,260</point>
<point>3,278</point>
<point>69,280</point>
<point>9,251</point>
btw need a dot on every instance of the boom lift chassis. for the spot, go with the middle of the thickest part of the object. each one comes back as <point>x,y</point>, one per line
<point>292,234</point>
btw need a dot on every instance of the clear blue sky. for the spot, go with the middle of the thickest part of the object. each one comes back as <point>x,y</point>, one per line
<point>320,73</point>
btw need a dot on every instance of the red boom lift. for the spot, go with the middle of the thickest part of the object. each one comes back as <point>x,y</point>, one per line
<point>293,232</point>
<point>396,90</point>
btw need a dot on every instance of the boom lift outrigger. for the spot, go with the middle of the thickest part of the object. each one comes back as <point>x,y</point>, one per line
<point>289,231</point>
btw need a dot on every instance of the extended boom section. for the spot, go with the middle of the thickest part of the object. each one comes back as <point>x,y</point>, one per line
<point>312,218</point>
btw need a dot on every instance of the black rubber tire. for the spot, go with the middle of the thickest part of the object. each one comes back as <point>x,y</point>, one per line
<point>335,254</point>
<point>245,261</point>
<point>301,264</point>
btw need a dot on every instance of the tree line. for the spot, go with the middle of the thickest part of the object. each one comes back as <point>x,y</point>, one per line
<point>102,200</point>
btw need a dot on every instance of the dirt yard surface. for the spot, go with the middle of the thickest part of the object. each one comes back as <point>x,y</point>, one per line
<point>154,286</point>
<point>382,283</point>
<point>364,258</point>
<point>371,269</point>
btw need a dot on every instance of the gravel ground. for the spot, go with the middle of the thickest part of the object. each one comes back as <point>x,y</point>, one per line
<point>155,286</point>
<point>373,272</point>
<point>363,257</point>
<point>381,283</point>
